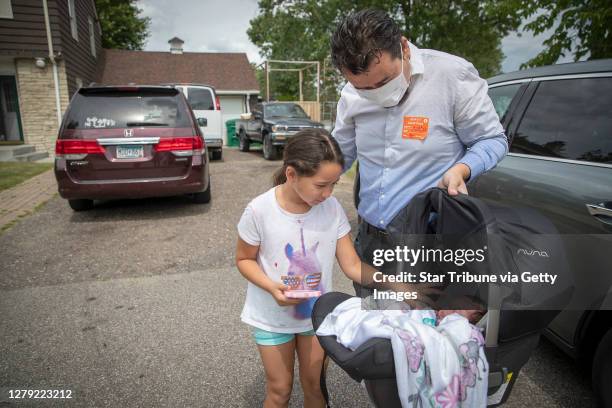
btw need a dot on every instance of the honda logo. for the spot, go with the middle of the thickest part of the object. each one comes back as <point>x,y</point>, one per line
<point>128,132</point>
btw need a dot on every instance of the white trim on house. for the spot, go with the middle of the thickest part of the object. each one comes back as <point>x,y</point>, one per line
<point>92,36</point>
<point>6,9</point>
<point>244,92</point>
<point>72,14</point>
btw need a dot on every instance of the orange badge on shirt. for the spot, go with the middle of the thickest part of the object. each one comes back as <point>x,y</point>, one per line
<point>415,127</point>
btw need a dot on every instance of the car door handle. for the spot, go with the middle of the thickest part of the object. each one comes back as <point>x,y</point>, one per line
<point>601,212</point>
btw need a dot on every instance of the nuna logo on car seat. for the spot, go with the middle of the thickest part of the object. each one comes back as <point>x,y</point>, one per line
<point>532,252</point>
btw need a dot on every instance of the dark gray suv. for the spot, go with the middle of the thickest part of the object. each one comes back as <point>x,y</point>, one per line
<point>559,122</point>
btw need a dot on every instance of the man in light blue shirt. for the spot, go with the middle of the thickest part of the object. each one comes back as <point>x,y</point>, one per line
<point>414,118</point>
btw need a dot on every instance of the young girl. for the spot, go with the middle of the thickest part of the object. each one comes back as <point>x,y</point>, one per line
<point>294,229</point>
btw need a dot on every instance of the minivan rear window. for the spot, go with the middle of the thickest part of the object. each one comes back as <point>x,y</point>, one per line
<point>200,99</point>
<point>122,109</point>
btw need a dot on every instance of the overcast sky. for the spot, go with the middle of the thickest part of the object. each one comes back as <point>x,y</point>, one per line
<point>220,26</point>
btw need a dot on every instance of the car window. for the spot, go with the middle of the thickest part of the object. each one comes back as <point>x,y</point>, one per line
<point>110,110</point>
<point>200,99</point>
<point>568,119</point>
<point>288,110</point>
<point>501,96</point>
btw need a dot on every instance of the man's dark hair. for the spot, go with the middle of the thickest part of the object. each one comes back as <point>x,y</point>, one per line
<point>362,37</point>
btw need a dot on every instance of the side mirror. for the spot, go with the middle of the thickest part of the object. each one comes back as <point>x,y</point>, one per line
<point>202,122</point>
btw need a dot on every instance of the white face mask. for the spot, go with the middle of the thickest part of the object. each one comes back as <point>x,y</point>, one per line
<point>390,93</point>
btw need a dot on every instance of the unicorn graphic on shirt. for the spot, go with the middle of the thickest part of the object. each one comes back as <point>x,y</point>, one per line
<point>305,264</point>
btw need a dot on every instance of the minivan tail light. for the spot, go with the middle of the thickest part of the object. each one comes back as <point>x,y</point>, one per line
<point>75,149</point>
<point>217,102</point>
<point>181,146</point>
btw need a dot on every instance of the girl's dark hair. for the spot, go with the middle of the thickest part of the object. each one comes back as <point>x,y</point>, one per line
<point>362,37</point>
<point>305,151</point>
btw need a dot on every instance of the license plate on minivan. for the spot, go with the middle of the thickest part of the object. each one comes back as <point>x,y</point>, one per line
<point>130,152</point>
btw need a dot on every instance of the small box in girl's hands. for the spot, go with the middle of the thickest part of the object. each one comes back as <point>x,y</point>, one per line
<point>302,286</point>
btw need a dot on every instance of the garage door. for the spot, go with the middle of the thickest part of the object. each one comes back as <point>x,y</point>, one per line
<point>231,107</point>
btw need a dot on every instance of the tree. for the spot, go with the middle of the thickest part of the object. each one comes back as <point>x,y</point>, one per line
<point>293,31</point>
<point>121,25</point>
<point>301,29</point>
<point>584,27</point>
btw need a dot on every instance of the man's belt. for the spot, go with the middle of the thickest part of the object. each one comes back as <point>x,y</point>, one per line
<point>373,230</point>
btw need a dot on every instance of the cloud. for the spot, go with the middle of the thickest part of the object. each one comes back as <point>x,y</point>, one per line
<point>518,50</point>
<point>220,26</point>
<point>205,26</point>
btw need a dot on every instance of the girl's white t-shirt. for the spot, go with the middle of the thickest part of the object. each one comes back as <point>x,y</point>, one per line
<point>289,244</point>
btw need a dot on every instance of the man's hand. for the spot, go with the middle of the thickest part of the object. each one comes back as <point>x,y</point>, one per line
<point>454,179</point>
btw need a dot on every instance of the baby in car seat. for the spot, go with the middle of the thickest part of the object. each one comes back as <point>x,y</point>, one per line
<point>471,309</point>
<point>473,315</point>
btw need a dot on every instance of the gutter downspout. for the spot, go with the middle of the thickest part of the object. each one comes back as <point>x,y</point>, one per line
<point>58,106</point>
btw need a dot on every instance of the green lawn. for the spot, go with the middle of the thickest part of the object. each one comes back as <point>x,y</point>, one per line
<point>13,173</point>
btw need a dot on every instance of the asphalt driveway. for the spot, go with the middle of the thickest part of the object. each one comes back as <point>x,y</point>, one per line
<point>137,303</point>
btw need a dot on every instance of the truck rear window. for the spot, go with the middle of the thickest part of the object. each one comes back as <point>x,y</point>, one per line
<point>288,110</point>
<point>108,110</point>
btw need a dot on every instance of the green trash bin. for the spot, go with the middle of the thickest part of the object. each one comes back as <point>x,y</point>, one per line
<point>230,126</point>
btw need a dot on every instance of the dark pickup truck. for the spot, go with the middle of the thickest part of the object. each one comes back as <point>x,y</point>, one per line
<point>272,124</point>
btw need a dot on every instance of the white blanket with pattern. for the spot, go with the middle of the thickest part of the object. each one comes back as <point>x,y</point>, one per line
<point>441,365</point>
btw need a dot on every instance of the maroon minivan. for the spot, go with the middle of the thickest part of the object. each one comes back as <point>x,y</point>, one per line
<point>130,142</point>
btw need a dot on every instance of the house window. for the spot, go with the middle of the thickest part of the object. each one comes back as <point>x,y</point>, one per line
<point>10,96</point>
<point>92,37</point>
<point>6,11</point>
<point>73,20</point>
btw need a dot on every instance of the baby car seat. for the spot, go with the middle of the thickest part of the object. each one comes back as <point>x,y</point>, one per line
<point>516,313</point>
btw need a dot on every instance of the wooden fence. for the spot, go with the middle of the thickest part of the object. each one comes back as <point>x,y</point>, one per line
<point>313,109</point>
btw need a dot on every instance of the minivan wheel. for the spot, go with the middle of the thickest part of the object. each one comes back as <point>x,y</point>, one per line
<point>244,144</point>
<point>270,152</point>
<point>81,204</point>
<point>602,370</point>
<point>203,197</point>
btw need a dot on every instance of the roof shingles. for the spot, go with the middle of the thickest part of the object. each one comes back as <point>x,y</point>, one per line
<point>224,71</point>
